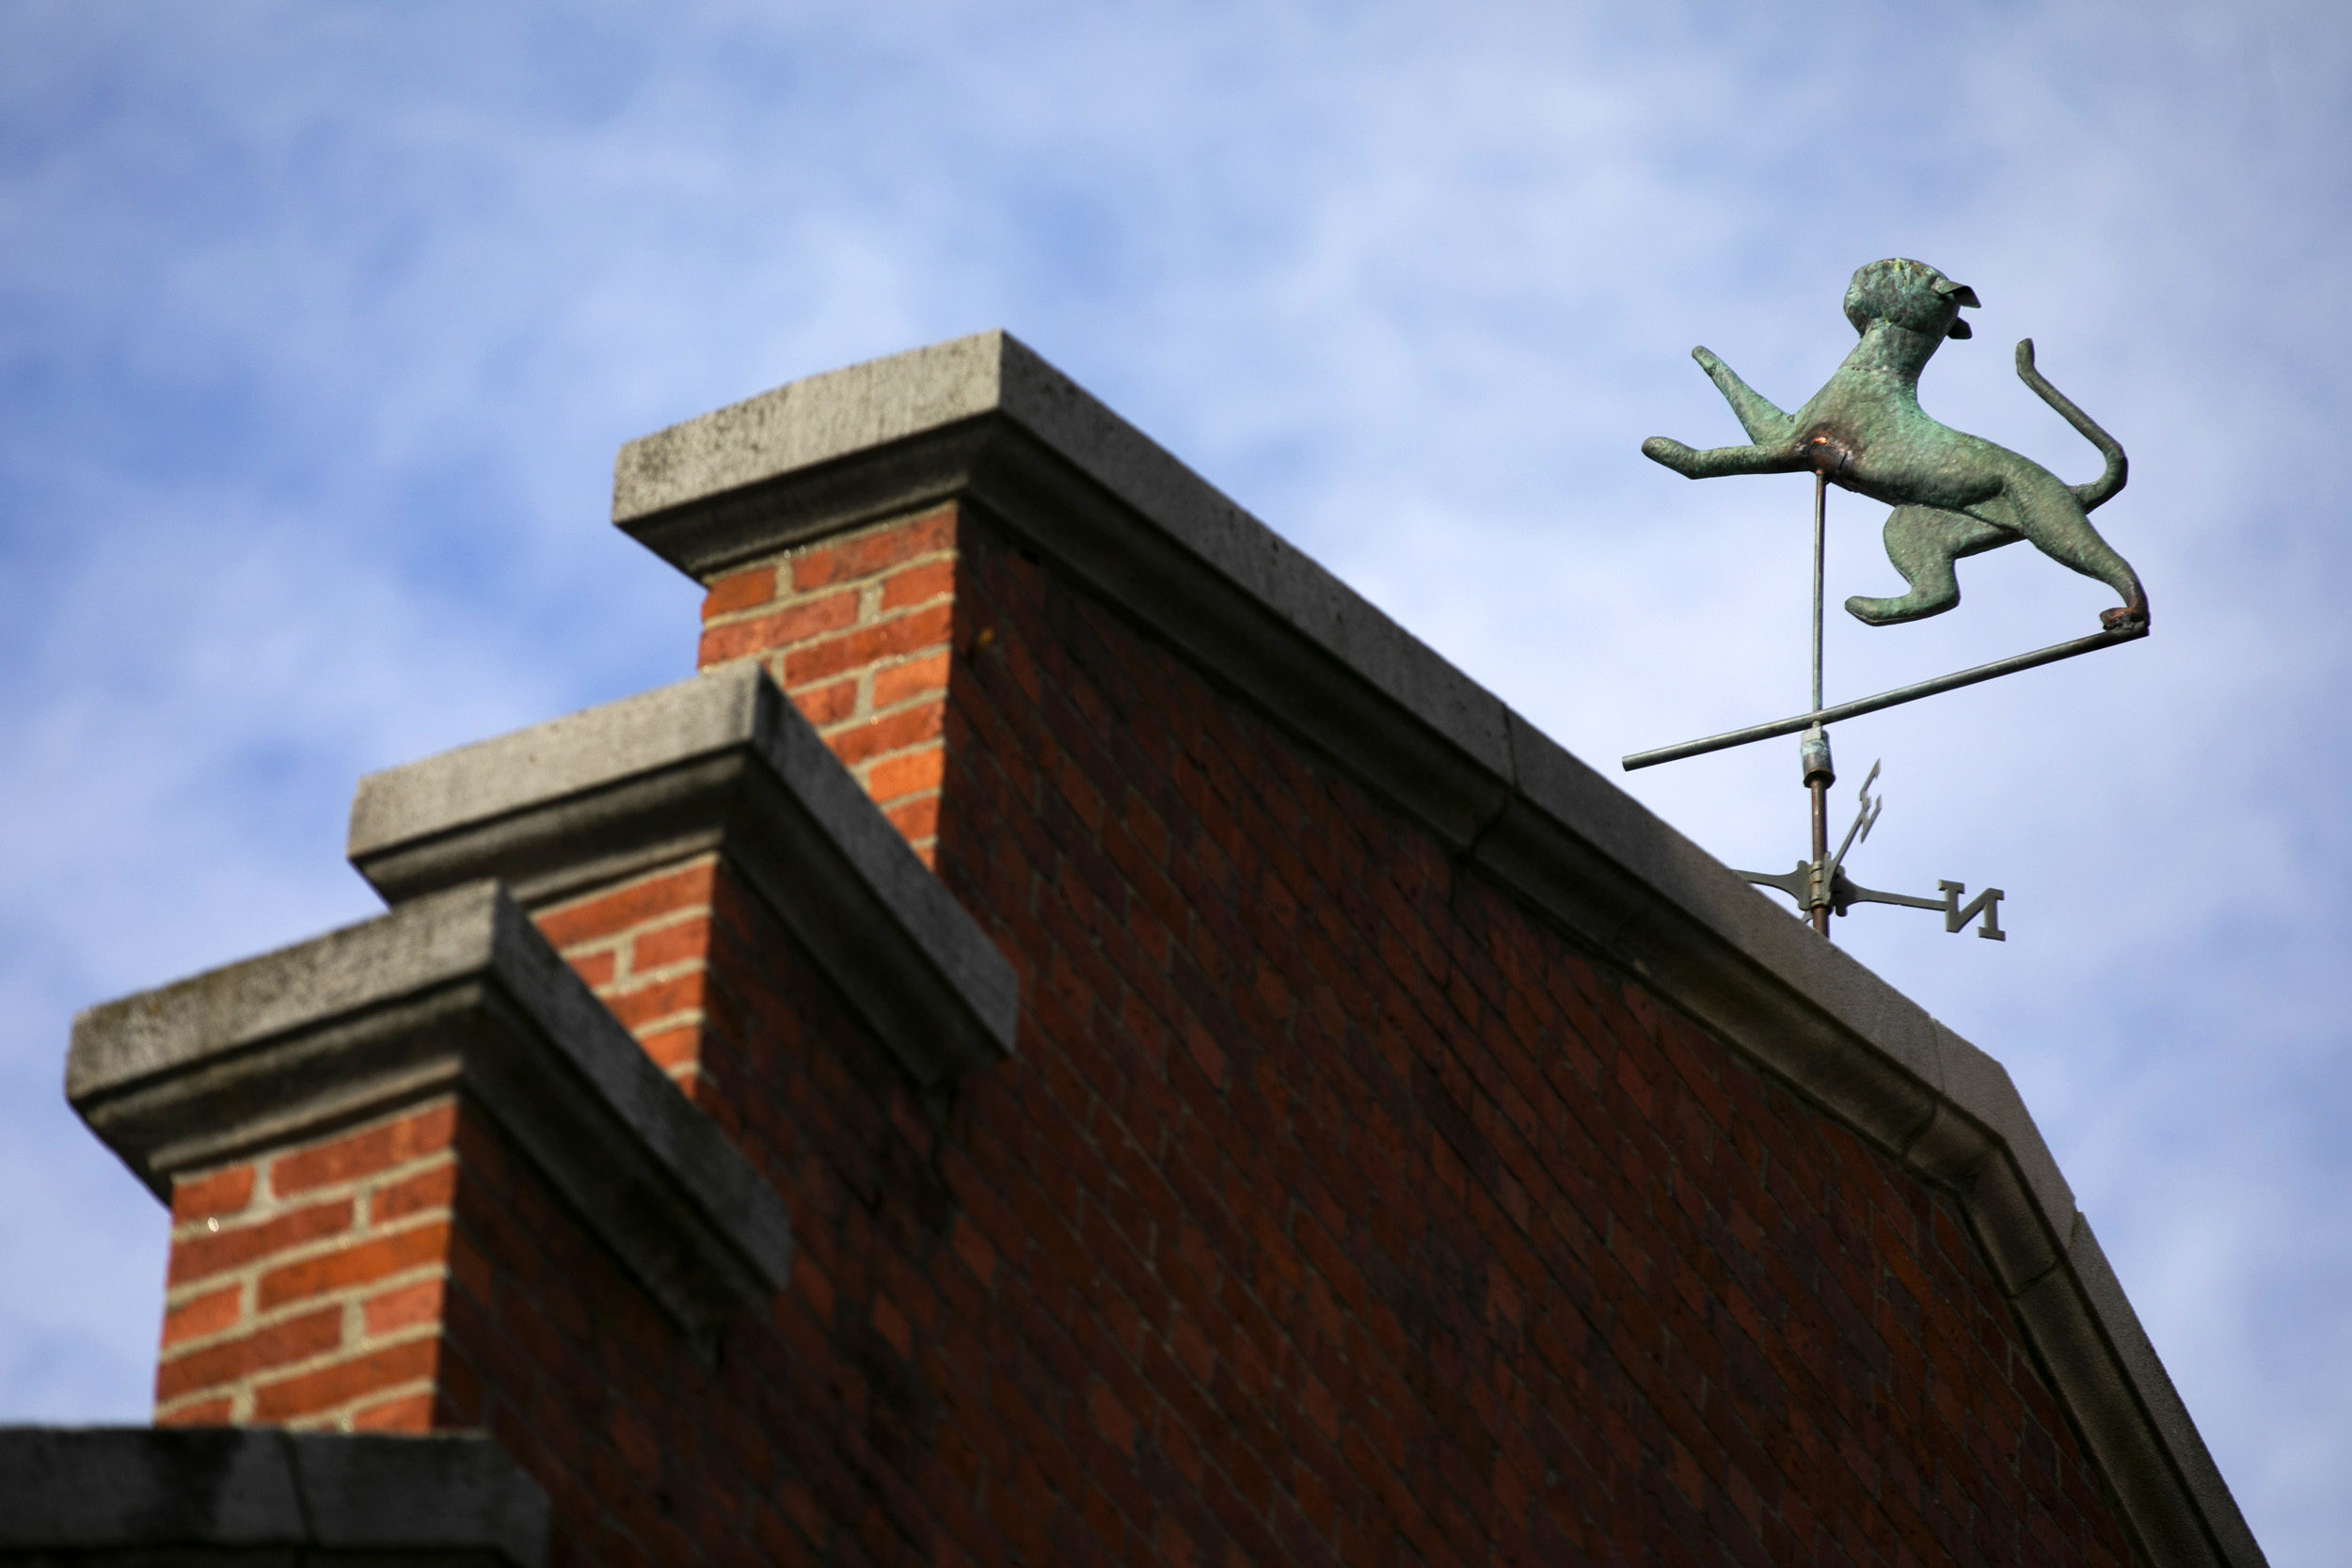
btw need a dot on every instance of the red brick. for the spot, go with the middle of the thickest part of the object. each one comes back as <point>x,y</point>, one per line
<point>433,1188</point>
<point>828,704</point>
<point>788,627</point>
<point>673,1048</point>
<point>748,589</point>
<point>895,733</point>
<point>912,632</point>
<point>357,1263</point>
<point>470,1270</point>
<point>819,566</point>
<point>933,579</point>
<point>300,1338</point>
<point>406,1413</point>
<point>364,1152</point>
<point>1111,1417</point>
<point>917,819</point>
<point>342,1383</point>
<point>204,1412</point>
<point>909,679</point>
<point>205,1254</point>
<point>660,999</point>
<point>896,778</point>
<point>892,1325</point>
<point>669,944</point>
<point>212,1314</point>
<point>216,1195</point>
<point>608,914</point>
<point>404,1307</point>
<point>596,968</point>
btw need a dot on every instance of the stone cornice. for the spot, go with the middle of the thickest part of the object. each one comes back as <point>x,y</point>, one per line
<point>125,1496</point>
<point>456,992</point>
<point>984,421</point>
<point>722,762</point>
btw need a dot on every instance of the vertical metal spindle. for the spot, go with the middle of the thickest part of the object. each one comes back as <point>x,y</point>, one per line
<point>1820,845</point>
<point>1819,783</point>
<point>1821,550</point>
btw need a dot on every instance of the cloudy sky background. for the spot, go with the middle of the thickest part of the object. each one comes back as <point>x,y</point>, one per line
<point>318,326</point>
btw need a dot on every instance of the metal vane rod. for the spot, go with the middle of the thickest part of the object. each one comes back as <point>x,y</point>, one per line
<point>1821,550</point>
<point>1912,693</point>
<point>1820,897</point>
<point>1819,783</point>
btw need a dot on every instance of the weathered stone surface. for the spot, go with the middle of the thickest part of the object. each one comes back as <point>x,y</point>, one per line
<point>722,762</point>
<point>124,1496</point>
<point>455,991</point>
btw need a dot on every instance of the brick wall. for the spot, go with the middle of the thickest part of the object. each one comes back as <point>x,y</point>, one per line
<point>1333,1210</point>
<point>642,946</point>
<point>306,1287</point>
<point>858,631</point>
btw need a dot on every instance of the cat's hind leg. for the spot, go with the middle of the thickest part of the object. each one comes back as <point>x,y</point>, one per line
<point>2048,513</point>
<point>1923,541</point>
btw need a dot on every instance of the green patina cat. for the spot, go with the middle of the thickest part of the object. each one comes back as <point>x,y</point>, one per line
<point>1954,494</point>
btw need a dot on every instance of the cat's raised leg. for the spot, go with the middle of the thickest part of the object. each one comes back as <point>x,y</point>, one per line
<point>1923,541</point>
<point>1720,462</point>
<point>1758,414</point>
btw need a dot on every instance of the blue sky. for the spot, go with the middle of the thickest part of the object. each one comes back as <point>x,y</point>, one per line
<point>318,326</point>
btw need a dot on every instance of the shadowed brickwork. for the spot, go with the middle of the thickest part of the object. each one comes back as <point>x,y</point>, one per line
<point>1333,1210</point>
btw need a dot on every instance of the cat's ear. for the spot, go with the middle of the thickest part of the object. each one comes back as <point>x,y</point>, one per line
<point>1960,293</point>
<point>1958,329</point>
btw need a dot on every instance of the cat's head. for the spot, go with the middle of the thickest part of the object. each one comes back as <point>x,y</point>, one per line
<point>1909,294</point>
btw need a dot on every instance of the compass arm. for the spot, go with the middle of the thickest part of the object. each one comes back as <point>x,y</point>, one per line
<point>1844,894</point>
<point>1849,893</point>
<point>1956,918</point>
<point>1796,884</point>
<point>1989,901</point>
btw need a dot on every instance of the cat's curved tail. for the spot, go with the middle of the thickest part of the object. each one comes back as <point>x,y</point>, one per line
<point>2111,478</point>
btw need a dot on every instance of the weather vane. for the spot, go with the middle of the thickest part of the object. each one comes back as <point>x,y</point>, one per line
<point>1954,495</point>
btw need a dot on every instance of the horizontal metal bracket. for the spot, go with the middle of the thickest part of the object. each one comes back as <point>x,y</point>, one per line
<point>1912,693</point>
<point>1843,893</point>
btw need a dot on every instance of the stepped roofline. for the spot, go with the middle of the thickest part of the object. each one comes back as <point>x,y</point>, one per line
<point>985,422</point>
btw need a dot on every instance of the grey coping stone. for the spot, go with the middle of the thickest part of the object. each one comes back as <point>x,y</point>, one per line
<point>2152,1386</point>
<point>2091,1341</point>
<point>454,993</point>
<point>1981,1085</point>
<point>985,422</point>
<point>721,762</point>
<point>149,1495</point>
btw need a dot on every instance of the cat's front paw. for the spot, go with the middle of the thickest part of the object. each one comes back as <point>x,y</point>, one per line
<point>1673,453</point>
